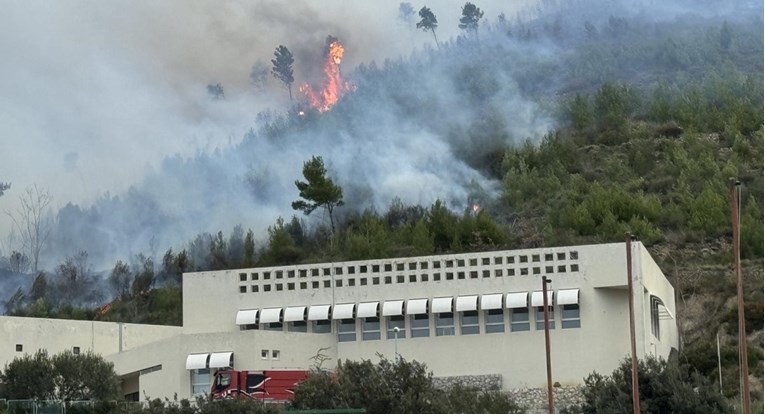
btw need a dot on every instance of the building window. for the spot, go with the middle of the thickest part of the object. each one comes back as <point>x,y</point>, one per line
<point>424,277</point>
<point>273,326</point>
<point>412,278</point>
<point>370,329</point>
<point>534,257</point>
<point>419,326</point>
<point>524,271</point>
<point>523,259</point>
<point>322,326</point>
<point>351,270</point>
<point>444,324</point>
<point>375,280</point>
<point>460,275</point>
<point>400,267</point>
<point>511,272</point>
<point>450,263</point>
<point>314,272</point>
<point>655,329</point>
<point>351,282</point>
<point>290,286</point>
<point>254,276</point>
<point>266,288</point>
<point>388,267</point>
<point>498,260</point>
<point>540,317</point>
<point>266,275</point>
<point>297,326</point>
<point>327,284</point>
<point>561,256</point>
<point>486,273</point>
<point>248,327</point>
<point>242,289</point>
<point>388,280</point>
<point>562,269</point>
<point>326,271</point>
<point>549,269</point>
<point>276,354</point>
<point>473,274</point>
<point>573,255</point>
<point>449,276</point>
<point>519,320</point>
<point>363,281</point>
<point>290,273</point>
<point>264,354</point>
<point>469,323</point>
<point>303,272</point>
<point>279,287</point>
<point>375,268</point>
<point>569,316</point>
<point>574,267</point>
<point>495,320</point>
<point>338,270</point>
<point>279,274</point>
<point>339,283</point>
<point>423,265</point>
<point>548,257</point>
<point>242,277</point>
<point>498,273</point>
<point>485,261</point>
<point>19,348</point>
<point>510,259</point>
<point>363,269</point>
<point>315,285</point>
<point>436,277</point>
<point>200,381</point>
<point>413,266</point>
<point>396,321</point>
<point>303,285</point>
<point>400,279</point>
<point>346,330</point>
<point>76,350</point>
<point>460,262</point>
<point>436,265</point>
<point>473,262</point>
<point>254,288</point>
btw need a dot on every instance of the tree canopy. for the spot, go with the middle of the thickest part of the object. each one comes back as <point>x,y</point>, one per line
<point>471,14</point>
<point>282,68</point>
<point>318,190</point>
<point>65,376</point>
<point>428,22</point>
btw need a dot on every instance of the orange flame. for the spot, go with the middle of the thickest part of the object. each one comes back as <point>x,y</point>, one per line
<point>334,87</point>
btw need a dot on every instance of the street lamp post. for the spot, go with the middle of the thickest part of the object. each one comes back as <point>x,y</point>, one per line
<point>545,282</point>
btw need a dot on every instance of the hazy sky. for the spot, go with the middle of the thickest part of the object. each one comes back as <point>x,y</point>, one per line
<point>94,94</point>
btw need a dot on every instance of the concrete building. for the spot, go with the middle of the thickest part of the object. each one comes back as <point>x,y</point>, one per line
<point>473,314</point>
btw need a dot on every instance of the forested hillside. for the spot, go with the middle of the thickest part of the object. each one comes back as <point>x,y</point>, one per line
<point>566,127</point>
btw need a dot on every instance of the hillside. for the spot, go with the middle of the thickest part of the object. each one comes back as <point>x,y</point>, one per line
<point>562,130</point>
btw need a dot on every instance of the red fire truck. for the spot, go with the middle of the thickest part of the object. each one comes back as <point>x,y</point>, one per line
<point>268,386</point>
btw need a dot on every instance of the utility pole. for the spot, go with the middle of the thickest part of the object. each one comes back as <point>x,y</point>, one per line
<point>545,281</point>
<point>635,391</point>
<point>746,403</point>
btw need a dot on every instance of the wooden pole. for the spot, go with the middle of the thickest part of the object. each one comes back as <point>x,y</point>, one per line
<point>635,390</point>
<point>550,409</point>
<point>746,403</point>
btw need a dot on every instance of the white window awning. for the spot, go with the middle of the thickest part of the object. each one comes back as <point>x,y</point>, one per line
<point>517,300</point>
<point>271,315</point>
<point>493,301</point>
<point>247,317</point>
<point>467,303</point>
<point>416,306</point>
<point>343,311</point>
<point>318,313</point>
<point>367,310</point>
<point>294,313</point>
<point>196,361</point>
<point>538,300</point>
<point>442,305</point>
<point>568,297</point>
<point>393,308</point>
<point>221,360</point>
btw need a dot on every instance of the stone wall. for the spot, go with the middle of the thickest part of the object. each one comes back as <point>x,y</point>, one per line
<point>534,399</point>
<point>482,382</point>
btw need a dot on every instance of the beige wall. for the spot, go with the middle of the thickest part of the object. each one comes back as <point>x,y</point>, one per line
<point>57,335</point>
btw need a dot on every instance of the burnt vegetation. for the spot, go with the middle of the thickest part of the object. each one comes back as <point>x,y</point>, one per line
<point>653,117</point>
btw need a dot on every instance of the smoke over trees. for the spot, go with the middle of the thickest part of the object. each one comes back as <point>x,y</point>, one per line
<point>32,223</point>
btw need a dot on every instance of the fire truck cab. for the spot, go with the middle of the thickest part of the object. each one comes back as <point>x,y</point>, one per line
<point>267,386</point>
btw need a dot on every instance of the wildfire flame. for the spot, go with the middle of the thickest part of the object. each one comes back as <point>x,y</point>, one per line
<point>334,87</point>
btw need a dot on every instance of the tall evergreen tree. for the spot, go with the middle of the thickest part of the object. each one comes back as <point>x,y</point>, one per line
<point>318,190</point>
<point>428,22</point>
<point>471,14</point>
<point>282,69</point>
